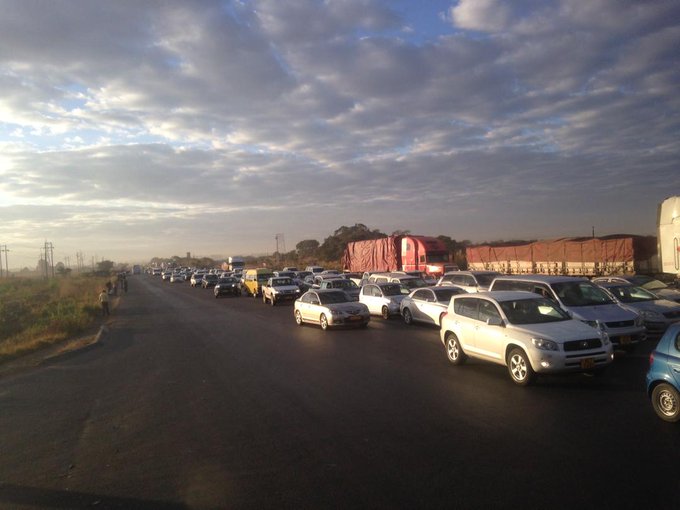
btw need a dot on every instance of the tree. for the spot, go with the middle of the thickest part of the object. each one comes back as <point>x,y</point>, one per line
<point>307,248</point>
<point>105,266</point>
<point>333,246</point>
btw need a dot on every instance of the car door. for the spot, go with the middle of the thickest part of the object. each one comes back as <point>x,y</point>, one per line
<point>674,359</point>
<point>427,307</point>
<point>366,296</point>
<point>466,322</point>
<point>490,339</point>
<point>418,302</point>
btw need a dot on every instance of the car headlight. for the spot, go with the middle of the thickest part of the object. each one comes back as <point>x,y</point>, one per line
<point>605,338</point>
<point>545,345</point>
<point>595,324</point>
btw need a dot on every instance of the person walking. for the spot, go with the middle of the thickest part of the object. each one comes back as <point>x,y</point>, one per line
<point>104,300</point>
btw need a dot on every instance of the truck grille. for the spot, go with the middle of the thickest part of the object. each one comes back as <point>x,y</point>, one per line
<point>582,345</point>
<point>620,324</point>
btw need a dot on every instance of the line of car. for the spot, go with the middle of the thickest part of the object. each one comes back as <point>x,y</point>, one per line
<point>531,324</point>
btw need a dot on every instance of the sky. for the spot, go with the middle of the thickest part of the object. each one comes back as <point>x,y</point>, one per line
<point>133,129</point>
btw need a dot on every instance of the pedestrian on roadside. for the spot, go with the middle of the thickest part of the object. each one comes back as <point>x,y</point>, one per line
<point>104,300</point>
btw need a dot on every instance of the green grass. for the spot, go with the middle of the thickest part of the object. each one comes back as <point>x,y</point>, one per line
<point>35,313</point>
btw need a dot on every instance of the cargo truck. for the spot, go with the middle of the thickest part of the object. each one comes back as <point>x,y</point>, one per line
<point>589,256</point>
<point>398,253</point>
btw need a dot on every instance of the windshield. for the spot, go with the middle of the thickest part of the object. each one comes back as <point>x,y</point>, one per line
<point>263,277</point>
<point>413,283</point>
<point>437,257</point>
<point>532,311</point>
<point>631,294</point>
<point>581,293</point>
<point>485,279</point>
<point>281,281</point>
<point>328,298</point>
<point>227,280</point>
<point>210,277</point>
<point>648,283</point>
<point>391,289</point>
<point>344,284</point>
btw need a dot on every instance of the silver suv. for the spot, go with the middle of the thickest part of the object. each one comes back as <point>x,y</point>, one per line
<point>582,300</point>
<point>471,281</point>
<point>525,332</point>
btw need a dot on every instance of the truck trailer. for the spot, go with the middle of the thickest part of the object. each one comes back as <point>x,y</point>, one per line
<point>398,253</point>
<point>581,256</point>
<point>669,235</point>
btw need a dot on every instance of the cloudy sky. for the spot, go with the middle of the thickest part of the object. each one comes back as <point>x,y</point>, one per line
<point>131,129</point>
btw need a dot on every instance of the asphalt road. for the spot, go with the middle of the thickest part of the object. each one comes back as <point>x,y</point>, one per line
<point>193,402</point>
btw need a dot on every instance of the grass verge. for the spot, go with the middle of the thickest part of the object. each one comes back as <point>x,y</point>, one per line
<point>36,313</point>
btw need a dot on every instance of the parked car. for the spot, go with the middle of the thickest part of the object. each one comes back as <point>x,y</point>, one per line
<point>315,269</point>
<point>209,280</point>
<point>382,298</point>
<point>407,281</point>
<point>527,333</point>
<point>177,278</point>
<point>227,286</point>
<point>330,308</point>
<point>663,377</point>
<point>653,285</point>
<point>470,281</point>
<point>427,305</point>
<point>657,313</point>
<point>582,300</point>
<point>348,286</point>
<point>279,289</point>
<point>166,276</point>
<point>196,279</point>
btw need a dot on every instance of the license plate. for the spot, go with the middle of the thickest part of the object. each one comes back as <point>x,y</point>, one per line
<point>355,318</point>
<point>624,340</point>
<point>587,363</point>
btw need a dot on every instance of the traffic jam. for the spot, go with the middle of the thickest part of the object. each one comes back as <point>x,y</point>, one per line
<point>531,324</point>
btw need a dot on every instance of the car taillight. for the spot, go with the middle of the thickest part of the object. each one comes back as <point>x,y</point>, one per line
<point>651,358</point>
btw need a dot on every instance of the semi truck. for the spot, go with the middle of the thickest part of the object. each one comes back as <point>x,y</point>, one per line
<point>236,263</point>
<point>669,235</point>
<point>398,253</point>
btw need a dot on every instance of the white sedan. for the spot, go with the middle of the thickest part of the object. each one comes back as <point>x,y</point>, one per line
<point>428,305</point>
<point>329,308</point>
<point>383,298</point>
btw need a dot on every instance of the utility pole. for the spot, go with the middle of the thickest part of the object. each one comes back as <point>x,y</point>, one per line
<point>1,263</point>
<point>49,259</point>
<point>279,239</point>
<point>6,262</point>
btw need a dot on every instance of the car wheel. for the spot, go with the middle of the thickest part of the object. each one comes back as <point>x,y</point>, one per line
<point>519,367</point>
<point>298,318</point>
<point>323,321</point>
<point>385,313</point>
<point>666,402</point>
<point>264,299</point>
<point>272,301</point>
<point>216,295</point>
<point>408,318</point>
<point>454,351</point>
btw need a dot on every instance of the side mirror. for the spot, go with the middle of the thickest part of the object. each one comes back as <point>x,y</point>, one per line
<point>494,321</point>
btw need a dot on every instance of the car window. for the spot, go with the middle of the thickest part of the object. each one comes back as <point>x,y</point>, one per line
<point>444,295</point>
<point>533,311</point>
<point>486,279</point>
<point>393,289</point>
<point>487,310</point>
<point>677,342</point>
<point>467,307</point>
<point>581,293</point>
<point>422,295</point>
<point>336,296</point>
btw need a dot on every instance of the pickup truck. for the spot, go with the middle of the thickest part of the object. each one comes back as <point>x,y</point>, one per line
<point>279,289</point>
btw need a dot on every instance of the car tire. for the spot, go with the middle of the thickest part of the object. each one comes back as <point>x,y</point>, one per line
<point>272,301</point>
<point>264,299</point>
<point>454,352</point>
<point>216,295</point>
<point>298,318</point>
<point>519,367</point>
<point>323,321</point>
<point>666,402</point>
<point>408,317</point>
<point>385,313</point>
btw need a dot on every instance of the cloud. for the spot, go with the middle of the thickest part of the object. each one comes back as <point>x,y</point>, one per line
<point>300,116</point>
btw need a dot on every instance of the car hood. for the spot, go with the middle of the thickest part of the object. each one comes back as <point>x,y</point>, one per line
<point>604,313</point>
<point>559,332</point>
<point>658,305</point>
<point>280,288</point>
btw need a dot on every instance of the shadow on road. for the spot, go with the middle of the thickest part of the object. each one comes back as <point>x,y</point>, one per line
<point>51,498</point>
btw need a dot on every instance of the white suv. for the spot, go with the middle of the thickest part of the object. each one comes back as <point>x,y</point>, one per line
<point>523,331</point>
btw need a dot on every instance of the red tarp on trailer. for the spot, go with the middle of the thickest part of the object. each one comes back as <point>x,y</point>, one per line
<point>372,255</point>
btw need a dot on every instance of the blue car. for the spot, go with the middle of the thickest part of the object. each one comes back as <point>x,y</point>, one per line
<point>663,377</point>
